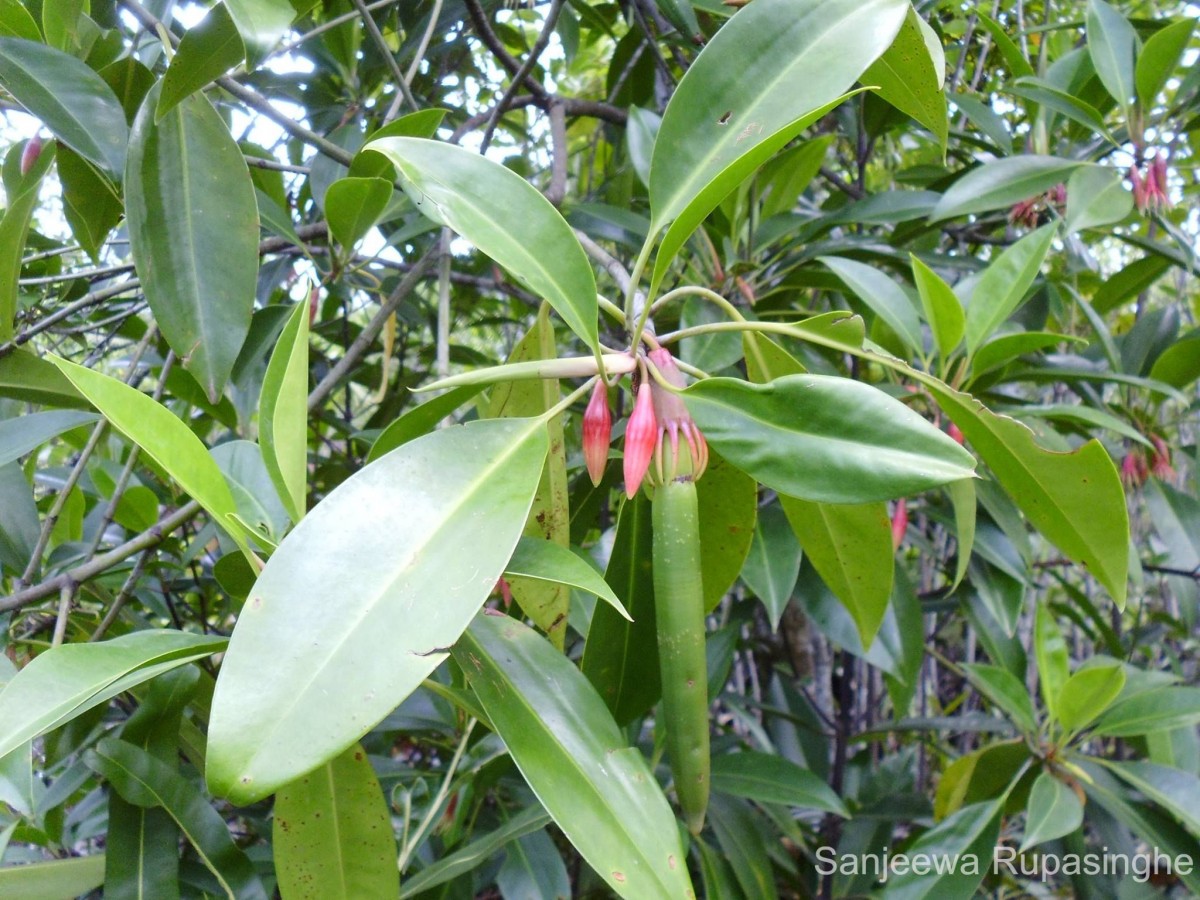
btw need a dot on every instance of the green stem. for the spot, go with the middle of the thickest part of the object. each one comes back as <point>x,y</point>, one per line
<point>697,291</point>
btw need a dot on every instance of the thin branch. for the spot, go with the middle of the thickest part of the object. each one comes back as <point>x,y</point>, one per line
<point>390,58</point>
<point>539,47</point>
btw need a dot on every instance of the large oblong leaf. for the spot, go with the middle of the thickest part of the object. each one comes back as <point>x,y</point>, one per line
<point>1003,284</point>
<point>362,600</point>
<point>505,217</point>
<point>774,67</point>
<point>193,231</point>
<point>70,99</point>
<point>911,73</point>
<point>562,737</point>
<point>824,438</point>
<point>283,413</point>
<point>1001,183</point>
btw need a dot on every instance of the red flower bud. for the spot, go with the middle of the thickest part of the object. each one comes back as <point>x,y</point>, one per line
<point>674,420</point>
<point>640,435</point>
<point>1133,469</point>
<point>597,432</point>
<point>29,156</point>
<point>899,523</point>
<point>1160,461</point>
<point>955,432</point>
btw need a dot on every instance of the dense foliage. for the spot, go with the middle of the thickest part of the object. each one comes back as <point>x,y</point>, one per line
<point>656,448</point>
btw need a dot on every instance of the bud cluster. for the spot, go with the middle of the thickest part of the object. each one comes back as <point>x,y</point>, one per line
<point>1150,190</point>
<point>658,420</point>
<point>1029,212</point>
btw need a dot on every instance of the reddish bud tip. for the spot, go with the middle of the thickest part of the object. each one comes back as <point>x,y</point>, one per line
<point>899,523</point>
<point>314,296</point>
<point>597,432</point>
<point>1133,469</point>
<point>640,436</point>
<point>29,156</point>
<point>956,433</point>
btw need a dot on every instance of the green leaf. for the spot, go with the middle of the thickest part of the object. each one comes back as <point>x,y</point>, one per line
<point>15,21</point>
<point>992,126</point>
<point>22,195</point>
<point>421,419</point>
<point>1112,44</point>
<point>70,99</point>
<point>794,60</point>
<point>1003,689</point>
<point>1053,659</point>
<point>193,231</point>
<point>332,833</point>
<point>727,499</point>
<point>548,561</point>
<point>1179,364</point>
<point>533,868</point>
<point>1173,789</point>
<point>910,76</point>
<point>283,414</point>
<point>599,790</point>
<point>1075,499</point>
<point>68,680</point>
<point>771,569</point>
<point>145,781</point>
<point>1155,710</point>
<point>1005,348</point>
<point>640,133</point>
<point>423,123</point>
<point>825,438</point>
<point>1125,283</point>
<point>261,23</point>
<point>1003,284</point>
<point>766,778</point>
<point>28,432</point>
<point>166,439</point>
<point>59,879</point>
<point>478,851</point>
<point>851,549</point>
<point>1159,58</point>
<point>1001,183</point>
<point>209,49</point>
<point>343,606</point>
<point>620,657</point>
<point>1018,65</point>
<point>884,297</point>
<point>481,200</point>
<point>743,844</point>
<point>1051,97</point>
<point>90,201</point>
<point>1088,693</point>
<point>968,835</point>
<point>943,309</point>
<point>1096,196</point>
<point>1053,811</point>
<point>31,379</point>
<point>354,205</point>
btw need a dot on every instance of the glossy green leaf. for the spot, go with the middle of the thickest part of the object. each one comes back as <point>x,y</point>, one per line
<point>15,21</point>
<point>28,432</point>
<point>1179,364</point>
<point>21,192</point>
<point>1155,710</point>
<point>1159,58</point>
<point>332,833</point>
<point>620,658</point>
<point>533,869</point>
<point>91,203</point>
<point>1087,693</point>
<point>1053,811</point>
<point>354,205</point>
<point>19,525</point>
<point>909,76</point>
<point>971,833</point>
<point>825,438</point>
<point>1053,659</point>
<point>599,790</point>
<point>772,566</point>
<point>69,98</point>
<point>794,60</point>
<point>1018,65</point>
<point>283,414</point>
<point>1003,689</point>
<point>59,879</point>
<point>1113,45</point>
<point>640,133</point>
<point>962,498</point>
<point>981,114</point>
<point>261,23</point>
<point>547,561</point>
<point>1096,196</point>
<point>767,778</point>
<point>475,853</point>
<point>1004,283</point>
<point>943,309</point>
<point>1176,518</point>
<point>1004,348</point>
<point>209,49</point>
<point>1171,788</point>
<point>480,200</point>
<point>145,781</point>
<point>1075,499</point>
<point>66,681</point>
<point>31,379</point>
<point>744,846</point>
<point>423,123</point>
<point>421,419</point>
<point>1045,94</point>
<point>343,608</point>
<point>882,295</point>
<point>193,230</point>
<point>791,172</point>
<point>727,499</point>
<point>1001,183</point>
<point>164,437</point>
<point>1126,282</point>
